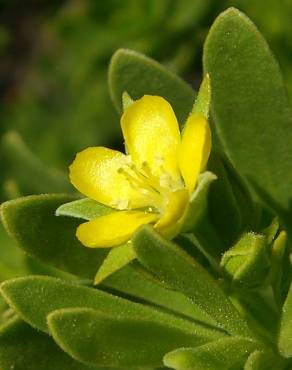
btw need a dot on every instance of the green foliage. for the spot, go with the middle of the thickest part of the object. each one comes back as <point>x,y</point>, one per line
<point>230,207</point>
<point>250,107</point>
<point>23,348</point>
<point>135,282</point>
<point>226,353</point>
<point>261,360</point>
<point>11,258</point>
<point>285,342</point>
<point>52,294</point>
<point>203,99</point>
<point>273,20</point>
<point>198,202</point>
<point>24,218</point>
<point>86,209</point>
<point>100,339</point>
<point>125,71</point>
<point>116,259</point>
<point>30,174</point>
<point>176,269</point>
<point>279,253</point>
<point>247,263</point>
<point>218,296</point>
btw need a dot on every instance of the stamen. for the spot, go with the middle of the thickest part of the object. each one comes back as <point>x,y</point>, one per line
<point>150,178</point>
<point>140,183</point>
<point>167,182</point>
<point>135,179</point>
<point>159,160</point>
<point>120,204</point>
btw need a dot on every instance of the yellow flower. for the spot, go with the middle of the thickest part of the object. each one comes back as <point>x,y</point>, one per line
<point>152,183</point>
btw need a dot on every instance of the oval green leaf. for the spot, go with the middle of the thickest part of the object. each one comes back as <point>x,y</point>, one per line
<point>250,107</point>
<point>86,209</point>
<point>139,75</point>
<point>263,360</point>
<point>117,258</point>
<point>222,354</point>
<point>180,272</point>
<point>135,282</point>
<point>100,339</point>
<point>50,294</point>
<point>31,221</point>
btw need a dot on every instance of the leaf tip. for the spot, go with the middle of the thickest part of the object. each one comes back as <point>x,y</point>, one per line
<point>127,101</point>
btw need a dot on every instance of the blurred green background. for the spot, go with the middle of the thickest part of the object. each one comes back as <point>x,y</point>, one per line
<point>54,57</point>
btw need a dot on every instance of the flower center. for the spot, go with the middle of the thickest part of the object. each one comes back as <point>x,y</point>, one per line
<point>156,189</point>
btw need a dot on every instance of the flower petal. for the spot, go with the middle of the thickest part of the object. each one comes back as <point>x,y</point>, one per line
<point>195,149</point>
<point>169,225</point>
<point>152,134</point>
<point>113,229</point>
<point>94,173</point>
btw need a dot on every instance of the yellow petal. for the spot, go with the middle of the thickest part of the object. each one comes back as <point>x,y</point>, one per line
<point>169,225</point>
<point>94,173</point>
<point>152,134</point>
<point>195,149</point>
<point>112,229</point>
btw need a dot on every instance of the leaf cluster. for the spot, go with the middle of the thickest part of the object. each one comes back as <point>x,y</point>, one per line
<point>218,296</point>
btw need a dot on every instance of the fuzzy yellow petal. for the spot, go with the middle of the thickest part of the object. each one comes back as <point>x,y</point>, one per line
<point>152,134</point>
<point>195,149</point>
<point>94,173</point>
<point>169,224</point>
<point>112,229</point>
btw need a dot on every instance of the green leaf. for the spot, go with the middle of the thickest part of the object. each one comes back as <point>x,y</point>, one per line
<point>117,258</point>
<point>203,99</point>
<point>23,348</point>
<point>193,245</point>
<point>126,100</point>
<point>35,267</point>
<point>137,283</point>
<point>11,258</point>
<point>179,271</point>
<point>198,220</point>
<point>87,209</point>
<point>285,332</point>
<point>27,169</point>
<point>258,309</point>
<point>247,262</point>
<point>222,354</point>
<point>31,221</point>
<point>50,294</point>
<point>139,75</point>
<point>250,107</point>
<point>263,360</point>
<point>272,230</point>
<point>198,201</point>
<point>276,273</point>
<point>101,339</point>
<point>4,311</point>
<point>230,208</point>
